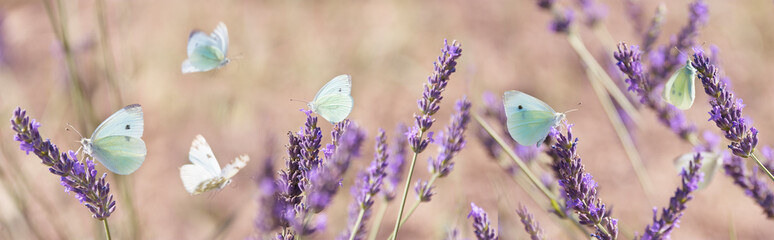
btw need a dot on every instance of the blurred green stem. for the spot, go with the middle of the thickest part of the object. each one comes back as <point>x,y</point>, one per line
<point>357,224</point>
<point>107,53</point>
<point>107,229</point>
<point>406,189</point>
<point>126,193</point>
<point>378,220</point>
<point>594,71</point>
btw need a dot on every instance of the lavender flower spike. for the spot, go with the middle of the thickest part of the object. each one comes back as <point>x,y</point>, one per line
<point>395,165</point>
<point>531,226</point>
<point>670,216</point>
<point>453,140</point>
<point>580,189</point>
<point>753,187</point>
<point>431,97</point>
<point>79,178</point>
<point>369,184</point>
<point>726,110</point>
<point>481,224</point>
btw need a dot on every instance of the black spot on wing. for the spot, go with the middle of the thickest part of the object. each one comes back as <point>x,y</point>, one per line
<point>127,138</point>
<point>132,106</point>
<point>520,107</point>
<point>127,127</point>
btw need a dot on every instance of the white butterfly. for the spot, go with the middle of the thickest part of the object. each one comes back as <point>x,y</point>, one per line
<point>529,119</point>
<point>334,102</point>
<point>680,89</point>
<point>207,52</point>
<point>116,142</point>
<point>205,173</point>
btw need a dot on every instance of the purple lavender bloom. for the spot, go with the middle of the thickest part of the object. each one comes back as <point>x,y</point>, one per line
<point>531,226</point>
<point>369,184</point>
<point>562,22</point>
<point>324,182</point>
<point>670,216</point>
<point>310,136</point>
<point>580,188</point>
<point>630,64</point>
<point>684,40</point>
<point>395,165</point>
<point>452,141</point>
<point>270,208</point>
<point>635,13</point>
<point>594,12</point>
<point>484,229</point>
<point>431,97</point>
<point>80,178</point>
<point>750,183</point>
<point>726,110</point>
<point>424,191</point>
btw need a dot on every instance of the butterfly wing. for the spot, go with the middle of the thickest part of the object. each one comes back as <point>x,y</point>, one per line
<point>529,119</point>
<point>125,122</point>
<point>220,35</point>
<point>199,39</point>
<point>203,59</point>
<point>201,155</point>
<point>334,107</point>
<point>710,164</point>
<point>195,178</point>
<point>679,90</point>
<point>341,84</point>
<point>119,154</point>
<point>232,168</point>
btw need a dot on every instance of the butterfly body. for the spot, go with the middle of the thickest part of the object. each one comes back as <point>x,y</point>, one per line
<point>679,90</point>
<point>207,52</point>
<point>117,143</point>
<point>205,174</point>
<point>529,119</point>
<point>334,102</point>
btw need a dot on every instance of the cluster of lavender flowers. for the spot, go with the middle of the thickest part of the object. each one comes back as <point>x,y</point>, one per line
<point>308,183</point>
<point>481,224</point>
<point>750,183</point>
<point>531,226</point>
<point>430,102</point>
<point>670,216</point>
<point>79,178</point>
<point>368,185</point>
<point>579,187</point>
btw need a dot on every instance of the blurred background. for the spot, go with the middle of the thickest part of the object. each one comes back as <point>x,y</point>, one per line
<point>130,52</point>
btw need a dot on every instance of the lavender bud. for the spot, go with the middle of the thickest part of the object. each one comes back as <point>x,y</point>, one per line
<point>481,224</point>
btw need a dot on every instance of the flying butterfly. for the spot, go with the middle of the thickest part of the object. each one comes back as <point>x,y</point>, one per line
<point>680,89</point>
<point>529,119</point>
<point>204,173</point>
<point>334,102</point>
<point>207,52</point>
<point>116,142</point>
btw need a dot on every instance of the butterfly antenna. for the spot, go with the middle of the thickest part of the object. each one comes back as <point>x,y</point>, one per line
<point>73,128</point>
<point>296,100</point>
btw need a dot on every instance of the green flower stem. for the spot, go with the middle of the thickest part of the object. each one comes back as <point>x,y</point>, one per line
<point>357,224</point>
<point>406,189</point>
<point>377,221</point>
<point>107,229</point>
<point>595,71</point>
<point>760,164</point>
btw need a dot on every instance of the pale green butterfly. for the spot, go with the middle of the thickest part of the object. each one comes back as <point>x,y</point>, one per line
<point>334,102</point>
<point>529,119</point>
<point>116,142</point>
<point>207,52</point>
<point>710,163</point>
<point>679,90</point>
<point>205,173</point>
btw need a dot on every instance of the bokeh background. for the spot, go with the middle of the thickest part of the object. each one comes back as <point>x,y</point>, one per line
<point>289,49</point>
